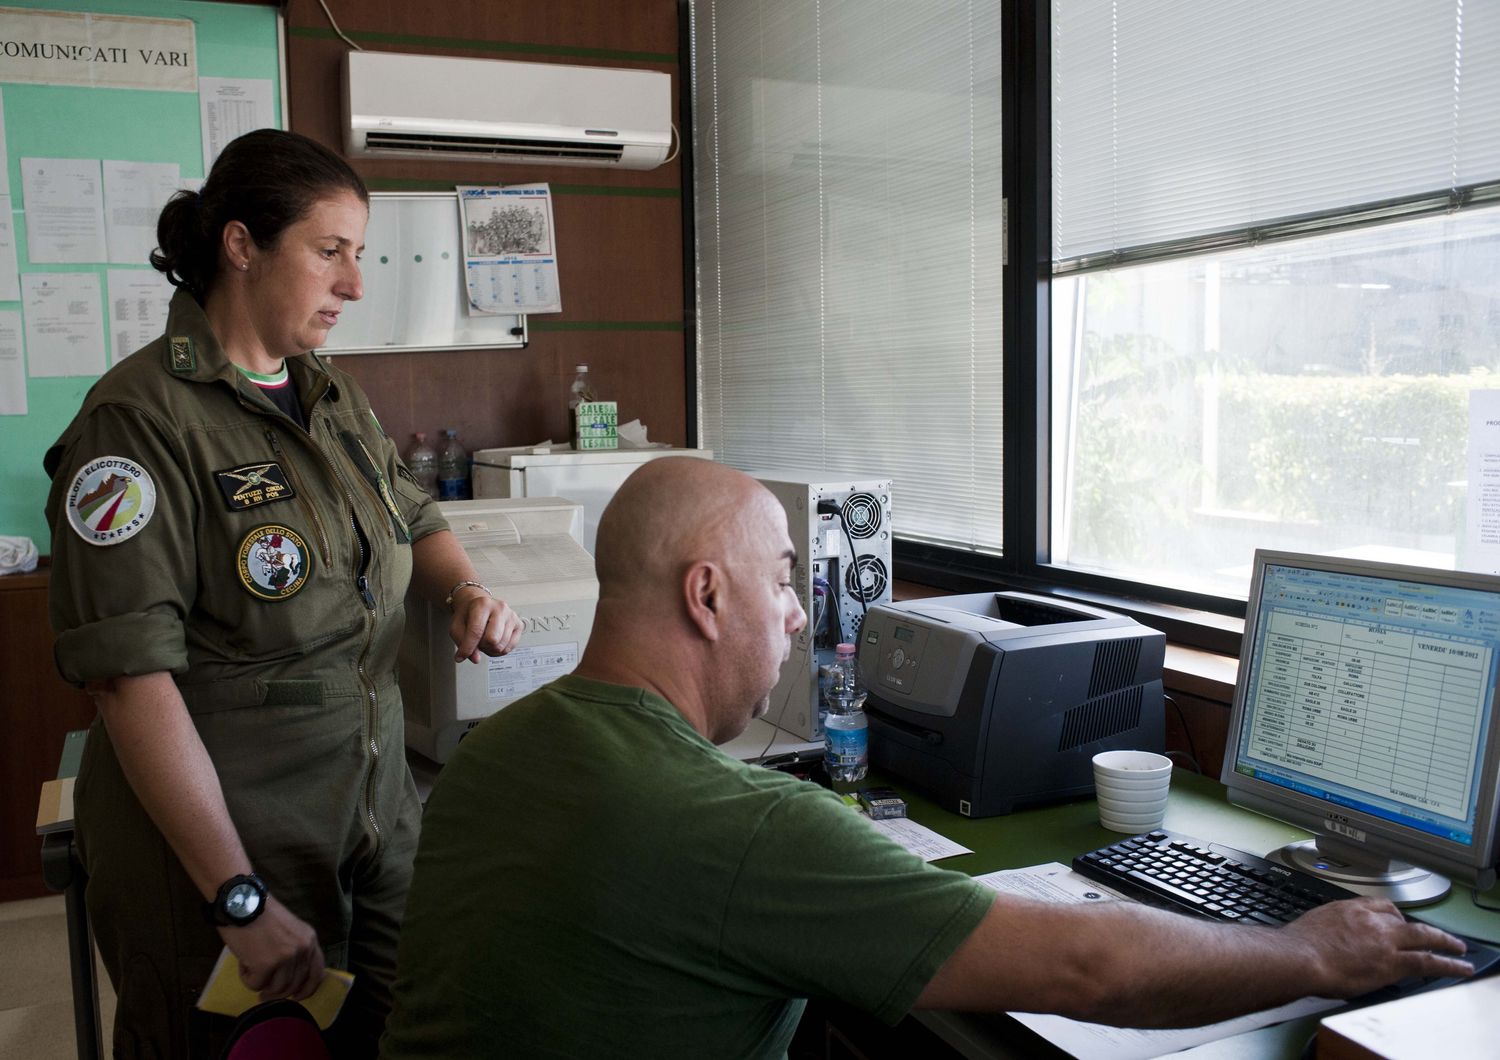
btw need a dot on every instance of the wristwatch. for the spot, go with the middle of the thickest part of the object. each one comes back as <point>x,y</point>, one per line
<point>240,900</point>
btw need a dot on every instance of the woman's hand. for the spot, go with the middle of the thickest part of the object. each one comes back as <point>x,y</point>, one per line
<point>278,953</point>
<point>482,623</point>
<point>442,573</point>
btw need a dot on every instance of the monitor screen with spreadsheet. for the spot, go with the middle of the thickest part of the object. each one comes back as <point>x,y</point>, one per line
<point>1365,712</point>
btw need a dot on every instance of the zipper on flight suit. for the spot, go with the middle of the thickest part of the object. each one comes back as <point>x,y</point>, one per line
<point>362,583</point>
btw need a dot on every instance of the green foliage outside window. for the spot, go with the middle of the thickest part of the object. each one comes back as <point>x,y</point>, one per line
<point>1336,460</point>
<point>1374,451</point>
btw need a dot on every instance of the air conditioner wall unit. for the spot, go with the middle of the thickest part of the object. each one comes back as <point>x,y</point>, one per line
<point>493,110</point>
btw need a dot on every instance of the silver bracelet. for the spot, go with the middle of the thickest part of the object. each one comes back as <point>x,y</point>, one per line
<point>465,585</point>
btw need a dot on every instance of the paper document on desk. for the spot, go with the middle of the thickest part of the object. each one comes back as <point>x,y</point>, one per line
<point>919,839</point>
<point>1095,1041</point>
<point>1049,883</point>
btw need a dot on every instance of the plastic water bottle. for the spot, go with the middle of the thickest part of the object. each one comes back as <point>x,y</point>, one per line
<point>825,684</point>
<point>580,391</point>
<point>846,729</point>
<point>422,461</point>
<point>453,469</point>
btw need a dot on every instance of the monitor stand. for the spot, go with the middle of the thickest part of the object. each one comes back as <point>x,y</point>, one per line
<point>1400,883</point>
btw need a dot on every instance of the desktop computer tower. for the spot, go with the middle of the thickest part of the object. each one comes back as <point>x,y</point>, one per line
<point>841,529</point>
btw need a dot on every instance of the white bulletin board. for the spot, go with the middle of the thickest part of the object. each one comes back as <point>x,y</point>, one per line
<point>414,296</point>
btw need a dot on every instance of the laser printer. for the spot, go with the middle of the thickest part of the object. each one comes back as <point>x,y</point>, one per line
<point>992,701</point>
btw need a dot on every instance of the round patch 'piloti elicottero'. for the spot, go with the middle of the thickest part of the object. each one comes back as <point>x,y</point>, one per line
<point>273,562</point>
<point>111,500</point>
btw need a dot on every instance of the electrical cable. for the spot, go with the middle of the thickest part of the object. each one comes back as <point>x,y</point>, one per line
<point>1192,751</point>
<point>1190,760</point>
<point>835,617</point>
<point>851,576</point>
<point>324,5</point>
<point>776,725</point>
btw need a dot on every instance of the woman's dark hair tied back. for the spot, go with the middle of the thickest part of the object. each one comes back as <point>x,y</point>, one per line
<point>267,180</point>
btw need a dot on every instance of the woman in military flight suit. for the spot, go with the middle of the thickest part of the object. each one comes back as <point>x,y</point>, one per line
<point>233,536</point>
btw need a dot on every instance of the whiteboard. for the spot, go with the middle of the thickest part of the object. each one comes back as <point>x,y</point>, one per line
<point>415,298</point>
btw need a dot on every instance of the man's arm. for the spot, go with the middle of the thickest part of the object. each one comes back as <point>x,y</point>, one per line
<point>1129,965</point>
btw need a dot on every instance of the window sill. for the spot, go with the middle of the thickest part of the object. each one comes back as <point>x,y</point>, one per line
<point>1205,674</point>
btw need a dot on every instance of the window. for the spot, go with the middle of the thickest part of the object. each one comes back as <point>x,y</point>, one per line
<point>1269,247</point>
<point>848,216</point>
<point>1276,263</point>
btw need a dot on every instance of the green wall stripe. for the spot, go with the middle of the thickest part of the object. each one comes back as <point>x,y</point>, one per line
<point>615,189</point>
<point>535,325</point>
<point>414,184</point>
<point>469,44</point>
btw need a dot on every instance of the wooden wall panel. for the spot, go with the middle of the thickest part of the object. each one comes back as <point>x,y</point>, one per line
<point>619,232</point>
<point>1206,729</point>
<point>518,397</point>
<point>36,708</point>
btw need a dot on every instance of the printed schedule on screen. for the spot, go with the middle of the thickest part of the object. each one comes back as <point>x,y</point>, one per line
<point>1362,704</point>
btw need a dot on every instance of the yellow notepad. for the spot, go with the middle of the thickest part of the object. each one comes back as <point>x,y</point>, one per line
<point>54,809</point>
<point>227,994</point>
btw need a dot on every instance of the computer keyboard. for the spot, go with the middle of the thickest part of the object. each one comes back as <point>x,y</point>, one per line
<point>1211,880</point>
<point>1168,868</point>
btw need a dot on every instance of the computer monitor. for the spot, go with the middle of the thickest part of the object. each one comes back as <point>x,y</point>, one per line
<point>1365,712</point>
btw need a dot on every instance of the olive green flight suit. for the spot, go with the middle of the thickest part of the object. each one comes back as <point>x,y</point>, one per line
<point>268,577</point>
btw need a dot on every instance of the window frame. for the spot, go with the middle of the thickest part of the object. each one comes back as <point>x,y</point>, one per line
<point>1208,622</point>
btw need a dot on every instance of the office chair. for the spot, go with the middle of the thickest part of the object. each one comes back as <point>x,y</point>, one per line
<point>276,1030</point>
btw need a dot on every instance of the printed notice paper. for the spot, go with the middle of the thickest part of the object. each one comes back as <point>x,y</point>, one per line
<point>64,325</point>
<point>229,107</point>
<point>138,300</point>
<point>10,275</point>
<point>510,259</point>
<point>12,365</point>
<point>1481,551</point>
<point>4,154</point>
<point>64,210</point>
<point>134,193</point>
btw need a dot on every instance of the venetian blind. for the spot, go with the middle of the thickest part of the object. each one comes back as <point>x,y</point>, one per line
<point>849,241</point>
<point>1174,122</point>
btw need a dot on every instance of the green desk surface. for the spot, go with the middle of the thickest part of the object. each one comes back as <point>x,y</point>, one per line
<point>1197,807</point>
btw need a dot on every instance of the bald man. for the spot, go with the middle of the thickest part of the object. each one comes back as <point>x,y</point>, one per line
<point>596,879</point>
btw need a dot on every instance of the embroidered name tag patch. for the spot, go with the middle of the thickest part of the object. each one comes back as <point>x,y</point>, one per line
<point>111,500</point>
<point>273,562</point>
<point>253,484</point>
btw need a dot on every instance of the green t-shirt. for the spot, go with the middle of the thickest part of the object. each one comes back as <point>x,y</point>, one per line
<point>597,879</point>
